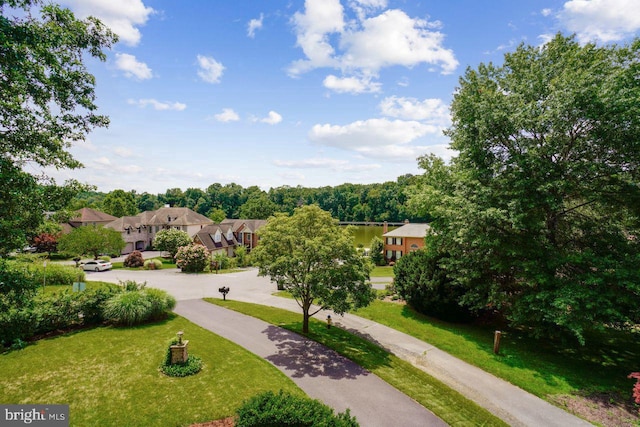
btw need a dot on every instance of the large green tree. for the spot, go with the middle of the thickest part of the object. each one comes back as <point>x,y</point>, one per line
<point>312,257</point>
<point>120,203</point>
<point>539,212</point>
<point>92,240</point>
<point>46,103</point>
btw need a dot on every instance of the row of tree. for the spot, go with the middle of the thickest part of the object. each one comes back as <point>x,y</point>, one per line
<point>346,202</point>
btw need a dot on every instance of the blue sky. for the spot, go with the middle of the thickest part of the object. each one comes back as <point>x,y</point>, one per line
<point>310,93</point>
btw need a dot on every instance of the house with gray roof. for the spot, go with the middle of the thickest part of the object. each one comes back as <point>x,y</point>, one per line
<point>405,239</point>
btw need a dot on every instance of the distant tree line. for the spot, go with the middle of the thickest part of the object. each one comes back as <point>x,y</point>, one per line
<point>346,202</point>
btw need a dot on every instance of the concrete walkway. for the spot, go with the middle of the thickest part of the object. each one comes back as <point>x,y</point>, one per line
<point>318,371</point>
<point>508,402</point>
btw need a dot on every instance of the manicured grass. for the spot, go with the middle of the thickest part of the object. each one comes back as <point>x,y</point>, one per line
<point>541,367</point>
<point>385,271</point>
<point>110,376</point>
<point>448,404</point>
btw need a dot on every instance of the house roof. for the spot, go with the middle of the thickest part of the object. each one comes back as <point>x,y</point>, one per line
<point>92,215</point>
<point>206,236</point>
<point>247,225</point>
<point>176,216</point>
<point>409,230</point>
<point>126,222</point>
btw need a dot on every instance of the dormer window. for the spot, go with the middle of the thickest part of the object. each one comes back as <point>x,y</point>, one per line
<point>217,237</point>
<point>229,235</point>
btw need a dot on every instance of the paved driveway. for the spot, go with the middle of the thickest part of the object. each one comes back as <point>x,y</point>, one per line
<point>510,403</point>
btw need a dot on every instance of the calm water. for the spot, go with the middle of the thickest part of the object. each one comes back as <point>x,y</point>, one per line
<point>364,234</point>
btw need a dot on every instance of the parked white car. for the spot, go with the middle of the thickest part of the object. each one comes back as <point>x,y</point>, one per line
<point>96,265</point>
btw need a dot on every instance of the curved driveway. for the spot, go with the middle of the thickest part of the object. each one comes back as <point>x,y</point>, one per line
<point>508,402</point>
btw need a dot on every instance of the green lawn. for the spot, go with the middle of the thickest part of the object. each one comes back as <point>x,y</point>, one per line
<point>385,271</point>
<point>540,367</point>
<point>452,407</point>
<point>109,376</point>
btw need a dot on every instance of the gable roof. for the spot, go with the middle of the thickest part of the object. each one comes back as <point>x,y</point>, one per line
<point>245,225</point>
<point>176,216</point>
<point>409,230</point>
<point>206,236</point>
<point>92,215</point>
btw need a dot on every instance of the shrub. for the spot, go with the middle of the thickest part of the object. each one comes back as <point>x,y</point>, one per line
<point>136,304</point>
<point>161,302</point>
<point>170,240</point>
<point>284,409</point>
<point>56,274</point>
<point>376,251</point>
<point>193,258</point>
<point>192,366</point>
<point>421,281</point>
<point>636,387</point>
<point>18,290</point>
<point>152,264</point>
<point>127,308</point>
<point>242,257</point>
<point>105,258</point>
<point>134,260</point>
<point>223,261</point>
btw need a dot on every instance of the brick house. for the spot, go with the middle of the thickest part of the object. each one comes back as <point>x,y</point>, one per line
<point>229,234</point>
<point>405,239</point>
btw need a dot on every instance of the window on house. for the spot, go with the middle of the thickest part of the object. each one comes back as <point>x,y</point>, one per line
<point>389,240</point>
<point>398,254</point>
<point>389,254</point>
<point>128,231</point>
<point>399,241</point>
<point>217,237</point>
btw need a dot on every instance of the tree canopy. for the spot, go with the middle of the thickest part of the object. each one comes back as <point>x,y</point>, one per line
<point>310,255</point>
<point>47,101</point>
<point>92,240</point>
<point>539,212</point>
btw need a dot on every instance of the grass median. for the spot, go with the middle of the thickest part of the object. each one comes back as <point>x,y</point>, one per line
<point>446,403</point>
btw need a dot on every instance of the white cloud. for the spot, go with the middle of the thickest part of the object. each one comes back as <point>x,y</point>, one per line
<point>227,115</point>
<point>103,161</point>
<point>546,12</point>
<point>313,27</point>
<point>603,20</point>
<point>431,110</point>
<point>123,152</point>
<point>351,84</point>
<point>254,24</point>
<point>272,119</point>
<point>132,67</point>
<point>393,38</point>
<point>325,163</point>
<point>123,17</point>
<point>210,70</point>
<point>158,105</point>
<point>378,138</point>
<point>367,43</point>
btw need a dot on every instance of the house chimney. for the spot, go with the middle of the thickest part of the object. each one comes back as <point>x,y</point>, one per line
<point>385,227</point>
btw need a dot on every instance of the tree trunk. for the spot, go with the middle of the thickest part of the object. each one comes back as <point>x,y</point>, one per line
<point>305,321</point>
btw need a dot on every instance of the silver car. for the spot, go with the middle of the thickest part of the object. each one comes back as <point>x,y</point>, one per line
<point>96,265</point>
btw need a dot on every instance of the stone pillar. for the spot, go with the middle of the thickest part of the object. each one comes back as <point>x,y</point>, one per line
<point>179,353</point>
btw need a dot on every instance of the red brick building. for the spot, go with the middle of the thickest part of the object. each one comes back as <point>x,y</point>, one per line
<point>408,238</point>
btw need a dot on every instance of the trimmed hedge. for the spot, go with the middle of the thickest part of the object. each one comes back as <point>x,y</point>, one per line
<point>284,409</point>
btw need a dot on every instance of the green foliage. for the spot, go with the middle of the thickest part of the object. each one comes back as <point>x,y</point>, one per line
<point>376,251</point>
<point>241,256</point>
<point>152,264</point>
<point>222,260</point>
<point>312,257</point>
<point>193,258</point>
<point>56,274</point>
<point>217,215</point>
<point>170,240</point>
<point>136,304</point>
<point>284,409</point>
<point>47,104</point>
<point>423,283</point>
<point>539,212</point>
<point>18,289</point>
<point>134,260</point>
<point>192,366</point>
<point>92,240</point>
<point>260,207</point>
<point>119,203</point>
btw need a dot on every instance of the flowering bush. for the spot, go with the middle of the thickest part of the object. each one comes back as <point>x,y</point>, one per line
<point>192,259</point>
<point>636,387</point>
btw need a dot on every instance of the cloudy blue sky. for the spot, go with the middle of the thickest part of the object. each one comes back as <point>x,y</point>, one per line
<point>292,92</point>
